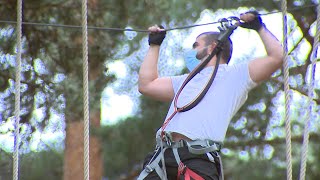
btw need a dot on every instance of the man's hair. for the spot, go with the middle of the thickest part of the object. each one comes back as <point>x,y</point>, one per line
<point>211,37</point>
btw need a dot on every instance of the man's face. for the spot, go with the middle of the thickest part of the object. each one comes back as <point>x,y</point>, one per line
<point>201,47</point>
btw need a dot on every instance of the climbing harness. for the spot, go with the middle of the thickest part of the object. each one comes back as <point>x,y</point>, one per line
<point>228,25</point>
<point>208,147</point>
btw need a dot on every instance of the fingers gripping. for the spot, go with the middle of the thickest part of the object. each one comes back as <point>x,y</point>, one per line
<point>156,35</point>
<point>251,20</point>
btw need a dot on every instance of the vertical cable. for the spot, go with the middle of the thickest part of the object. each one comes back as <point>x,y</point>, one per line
<point>85,88</point>
<point>17,93</point>
<point>286,90</point>
<point>304,150</point>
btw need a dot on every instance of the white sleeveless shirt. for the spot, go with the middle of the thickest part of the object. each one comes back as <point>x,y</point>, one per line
<point>210,118</point>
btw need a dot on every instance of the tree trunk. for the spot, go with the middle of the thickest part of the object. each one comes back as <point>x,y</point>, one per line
<point>73,155</point>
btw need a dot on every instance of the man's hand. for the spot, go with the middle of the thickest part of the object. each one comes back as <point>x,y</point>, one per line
<point>252,20</point>
<point>156,35</point>
<point>260,69</point>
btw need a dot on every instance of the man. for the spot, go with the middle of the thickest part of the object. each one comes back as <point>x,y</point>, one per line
<point>205,124</point>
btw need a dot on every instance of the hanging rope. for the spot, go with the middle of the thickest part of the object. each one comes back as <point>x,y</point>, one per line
<point>304,150</point>
<point>86,91</point>
<point>286,90</point>
<point>17,94</point>
<point>85,88</point>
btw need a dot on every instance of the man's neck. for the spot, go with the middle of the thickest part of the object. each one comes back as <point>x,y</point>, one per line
<point>212,62</point>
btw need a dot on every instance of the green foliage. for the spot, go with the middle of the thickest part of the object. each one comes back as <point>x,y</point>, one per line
<point>57,50</point>
<point>33,165</point>
<point>52,52</point>
<point>260,167</point>
<point>5,165</point>
<point>127,143</point>
<point>37,165</point>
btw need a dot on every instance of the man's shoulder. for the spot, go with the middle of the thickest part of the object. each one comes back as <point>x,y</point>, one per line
<point>243,66</point>
<point>178,79</point>
<point>181,76</point>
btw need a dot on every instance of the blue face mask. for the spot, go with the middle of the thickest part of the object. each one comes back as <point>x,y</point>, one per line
<point>190,59</point>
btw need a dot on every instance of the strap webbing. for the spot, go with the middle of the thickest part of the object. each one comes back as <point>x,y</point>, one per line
<point>199,97</point>
<point>183,170</point>
<point>153,165</point>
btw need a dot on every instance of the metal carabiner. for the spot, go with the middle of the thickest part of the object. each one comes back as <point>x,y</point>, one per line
<point>234,21</point>
<point>231,22</point>
<point>228,25</point>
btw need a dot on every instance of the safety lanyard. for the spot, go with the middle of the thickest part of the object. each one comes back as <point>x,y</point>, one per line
<point>226,29</point>
<point>199,97</point>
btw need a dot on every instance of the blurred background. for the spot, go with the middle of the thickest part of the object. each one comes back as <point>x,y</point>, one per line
<point>123,123</point>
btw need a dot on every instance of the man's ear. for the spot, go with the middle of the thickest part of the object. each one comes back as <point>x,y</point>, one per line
<point>211,47</point>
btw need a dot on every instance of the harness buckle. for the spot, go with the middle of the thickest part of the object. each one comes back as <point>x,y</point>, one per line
<point>168,139</point>
<point>215,145</point>
<point>148,169</point>
<point>208,143</point>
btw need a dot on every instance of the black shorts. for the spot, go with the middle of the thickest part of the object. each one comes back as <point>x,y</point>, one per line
<point>200,164</point>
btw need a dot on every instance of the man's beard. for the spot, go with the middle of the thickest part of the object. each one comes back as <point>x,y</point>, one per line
<point>202,53</point>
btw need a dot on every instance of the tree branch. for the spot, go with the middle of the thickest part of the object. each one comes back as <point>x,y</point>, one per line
<point>258,142</point>
<point>296,89</point>
<point>304,31</point>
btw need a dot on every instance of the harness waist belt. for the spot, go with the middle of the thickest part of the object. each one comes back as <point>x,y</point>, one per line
<point>195,146</point>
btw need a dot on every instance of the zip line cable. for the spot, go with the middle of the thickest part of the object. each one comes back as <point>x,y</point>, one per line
<point>135,30</point>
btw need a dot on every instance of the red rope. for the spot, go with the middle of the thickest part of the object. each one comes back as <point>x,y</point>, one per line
<point>166,122</point>
<point>187,173</point>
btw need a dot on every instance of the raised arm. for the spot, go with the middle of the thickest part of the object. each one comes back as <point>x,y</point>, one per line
<point>150,84</point>
<point>261,69</point>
